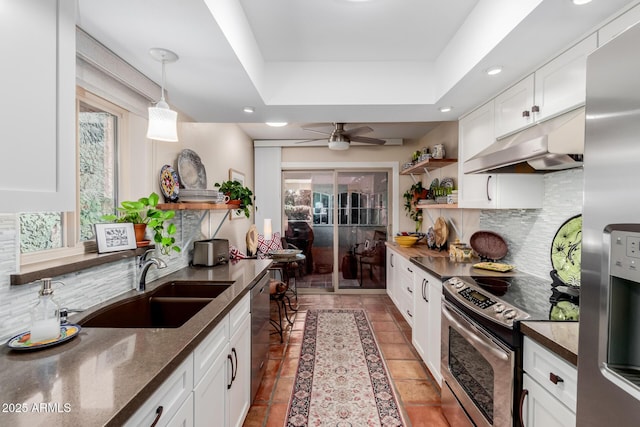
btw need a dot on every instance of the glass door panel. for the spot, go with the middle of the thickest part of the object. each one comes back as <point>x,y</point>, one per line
<point>362,229</point>
<point>308,224</point>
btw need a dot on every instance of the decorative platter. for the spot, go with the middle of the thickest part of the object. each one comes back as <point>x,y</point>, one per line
<point>566,251</point>
<point>494,266</point>
<point>285,254</point>
<point>488,245</point>
<point>441,231</point>
<point>23,342</point>
<point>447,183</point>
<point>169,183</point>
<point>191,170</point>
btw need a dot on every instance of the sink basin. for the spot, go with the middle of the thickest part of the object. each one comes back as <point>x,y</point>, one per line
<point>191,289</point>
<point>168,306</point>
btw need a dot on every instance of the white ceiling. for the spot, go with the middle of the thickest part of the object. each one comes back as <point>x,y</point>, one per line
<point>380,62</point>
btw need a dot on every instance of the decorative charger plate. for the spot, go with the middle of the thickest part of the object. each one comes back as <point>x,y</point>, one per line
<point>191,170</point>
<point>447,183</point>
<point>488,245</point>
<point>566,251</point>
<point>441,231</point>
<point>23,341</point>
<point>169,183</point>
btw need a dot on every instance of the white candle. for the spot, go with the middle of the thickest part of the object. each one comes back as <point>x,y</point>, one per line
<point>267,229</point>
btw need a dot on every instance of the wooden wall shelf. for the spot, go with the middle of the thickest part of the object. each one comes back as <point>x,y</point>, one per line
<point>429,164</point>
<point>196,206</point>
<point>439,206</point>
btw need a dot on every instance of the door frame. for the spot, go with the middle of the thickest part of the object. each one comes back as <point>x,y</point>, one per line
<point>394,207</point>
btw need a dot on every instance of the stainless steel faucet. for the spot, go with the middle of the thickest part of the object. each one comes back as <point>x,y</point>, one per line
<point>145,268</point>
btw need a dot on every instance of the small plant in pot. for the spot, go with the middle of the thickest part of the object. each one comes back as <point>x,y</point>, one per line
<point>237,192</point>
<point>143,211</point>
<point>411,197</point>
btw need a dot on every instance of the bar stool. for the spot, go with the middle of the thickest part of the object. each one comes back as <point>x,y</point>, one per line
<point>278,293</point>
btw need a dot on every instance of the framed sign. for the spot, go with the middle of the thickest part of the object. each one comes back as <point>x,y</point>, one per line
<point>237,176</point>
<point>113,237</point>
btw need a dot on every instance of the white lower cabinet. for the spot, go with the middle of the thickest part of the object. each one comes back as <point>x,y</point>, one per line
<point>404,288</point>
<point>213,385</point>
<point>167,400</point>
<point>550,387</point>
<point>426,326</point>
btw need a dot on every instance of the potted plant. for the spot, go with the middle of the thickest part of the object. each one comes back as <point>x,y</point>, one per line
<point>237,192</point>
<point>143,212</point>
<point>411,197</point>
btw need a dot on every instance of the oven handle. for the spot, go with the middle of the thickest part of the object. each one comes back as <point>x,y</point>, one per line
<point>479,337</point>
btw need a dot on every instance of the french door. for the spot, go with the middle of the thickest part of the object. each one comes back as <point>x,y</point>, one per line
<point>339,219</point>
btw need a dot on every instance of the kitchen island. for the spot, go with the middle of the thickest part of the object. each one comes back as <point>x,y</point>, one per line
<point>102,376</point>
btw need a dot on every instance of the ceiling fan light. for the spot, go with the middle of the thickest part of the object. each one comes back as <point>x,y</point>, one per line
<point>338,145</point>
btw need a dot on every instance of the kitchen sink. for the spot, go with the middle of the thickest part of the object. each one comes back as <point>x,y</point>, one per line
<point>168,306</point>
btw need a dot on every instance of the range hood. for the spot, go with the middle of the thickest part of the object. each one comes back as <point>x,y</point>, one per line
<point>552,145</point>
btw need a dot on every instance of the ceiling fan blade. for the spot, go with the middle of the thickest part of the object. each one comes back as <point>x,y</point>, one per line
<point>309,140</point>
<point>367,140</point>
<point>357,131</point>
<point>316,131</point>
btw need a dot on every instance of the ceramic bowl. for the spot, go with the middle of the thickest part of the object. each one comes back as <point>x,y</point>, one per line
<point>406,241</point>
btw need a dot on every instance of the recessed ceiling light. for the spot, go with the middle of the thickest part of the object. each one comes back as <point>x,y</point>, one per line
<point>276,124</point>
<point>494,70</point>
<point>445,109</point>
<point>248,109</point>
<point>581,2</point>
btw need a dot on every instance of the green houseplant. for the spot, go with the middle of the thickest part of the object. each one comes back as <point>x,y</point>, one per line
<point>143,211</point>
<point>236,191</point>
<point>411,197</point>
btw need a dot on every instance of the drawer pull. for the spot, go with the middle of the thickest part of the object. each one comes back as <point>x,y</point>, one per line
<point>409,290</point>
<point>409,313</point>
<point>158,415</point>
<point>409,270</point>
<point>555,378</point>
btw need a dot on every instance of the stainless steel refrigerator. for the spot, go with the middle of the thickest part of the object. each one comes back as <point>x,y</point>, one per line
<point>609,343</point>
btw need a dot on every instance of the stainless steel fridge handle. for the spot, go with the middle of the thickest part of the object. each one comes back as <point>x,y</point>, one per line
<point>478,337</point>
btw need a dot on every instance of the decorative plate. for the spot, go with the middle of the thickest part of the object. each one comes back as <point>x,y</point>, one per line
<point>488,245</point>
<point>495,266</point>
<point>441,231</point>
<point>447,183</point>
<point>566,251</point>
<point>191,170</point>
<point>434,184</point>
<point>169,183</point>
<point>23,341</point>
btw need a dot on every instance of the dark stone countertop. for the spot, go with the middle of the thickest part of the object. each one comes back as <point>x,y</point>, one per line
<point>103,375</point>
<point>559,337</point>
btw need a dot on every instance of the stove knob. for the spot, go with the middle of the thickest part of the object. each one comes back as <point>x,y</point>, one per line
<point>498,308</point>
<point>509,314</point>
<point>459,285</point>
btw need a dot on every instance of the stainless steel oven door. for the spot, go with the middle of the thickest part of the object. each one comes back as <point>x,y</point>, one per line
<point>478,369</point>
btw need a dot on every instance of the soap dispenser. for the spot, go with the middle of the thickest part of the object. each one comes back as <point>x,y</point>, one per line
<point>45,316</point>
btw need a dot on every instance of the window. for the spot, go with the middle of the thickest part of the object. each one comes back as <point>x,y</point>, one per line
<point>98,138</point>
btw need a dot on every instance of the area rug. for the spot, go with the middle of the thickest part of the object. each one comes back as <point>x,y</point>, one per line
<point>341,379</point>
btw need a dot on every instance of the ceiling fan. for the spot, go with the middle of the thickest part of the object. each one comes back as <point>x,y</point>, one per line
<point>340,138</point>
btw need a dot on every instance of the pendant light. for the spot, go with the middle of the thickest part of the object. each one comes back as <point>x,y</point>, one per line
<point>163,121</point>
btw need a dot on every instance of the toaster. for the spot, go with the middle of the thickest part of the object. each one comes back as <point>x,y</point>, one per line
<point>210,252</point>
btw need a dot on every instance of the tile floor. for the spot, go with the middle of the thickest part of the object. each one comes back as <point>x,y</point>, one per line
<point>417,392</point>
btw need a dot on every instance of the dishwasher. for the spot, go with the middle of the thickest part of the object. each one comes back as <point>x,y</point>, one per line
<point>259,332</point>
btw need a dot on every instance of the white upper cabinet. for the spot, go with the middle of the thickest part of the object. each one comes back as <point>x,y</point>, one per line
<point>513,107</point>
<point>560,85</point>
<point>489,190</point>
<point>555,88</point>
<point>37,41</point>
<point>614,28</point>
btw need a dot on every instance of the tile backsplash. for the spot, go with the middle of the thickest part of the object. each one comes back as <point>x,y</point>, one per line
<point>529,232</point>
<point>81,289</point>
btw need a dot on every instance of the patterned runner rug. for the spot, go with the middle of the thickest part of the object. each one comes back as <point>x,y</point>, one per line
<point>341,379</point>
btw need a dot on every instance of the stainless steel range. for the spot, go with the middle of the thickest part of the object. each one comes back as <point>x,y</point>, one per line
<point>481,345</point>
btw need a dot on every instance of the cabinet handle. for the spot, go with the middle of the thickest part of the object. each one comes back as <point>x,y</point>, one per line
<point>409,313</point>
<point>230,361</point>
<point>522,397</point>
<point>526,114</point>
<point>158,415</point>
<point>425,282</point>
<point>555,378</point>
<point>409,270</point>
<point>488,196</point>
<point>235,356</point>
<point>391,261</point>
<point>535,109</point>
